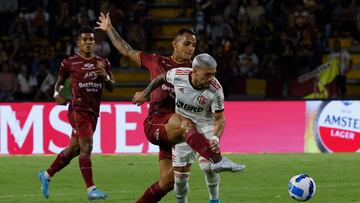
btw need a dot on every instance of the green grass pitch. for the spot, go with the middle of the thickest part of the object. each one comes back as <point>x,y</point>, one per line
<point>125,177</point>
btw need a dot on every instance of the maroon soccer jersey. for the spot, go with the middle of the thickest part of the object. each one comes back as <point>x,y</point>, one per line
<point>163,98</point>
<point>86,86</point>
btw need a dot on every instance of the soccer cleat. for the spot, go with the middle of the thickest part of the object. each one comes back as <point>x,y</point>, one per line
<point>44,184</point>
<point>96,194</point>
<point>226,165</point>
<point>214,201</point>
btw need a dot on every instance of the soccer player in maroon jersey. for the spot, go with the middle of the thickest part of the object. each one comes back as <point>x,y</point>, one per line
<point>163,127</point>
<point>88,74</point>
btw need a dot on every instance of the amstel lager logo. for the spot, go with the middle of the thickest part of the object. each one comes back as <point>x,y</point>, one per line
<point>337,126</point>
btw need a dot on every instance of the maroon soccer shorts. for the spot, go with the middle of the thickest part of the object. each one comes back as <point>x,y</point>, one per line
<point>155,132</point>
<point>83,123</point>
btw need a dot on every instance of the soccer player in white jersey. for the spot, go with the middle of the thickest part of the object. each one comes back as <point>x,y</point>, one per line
<point>199,97</point>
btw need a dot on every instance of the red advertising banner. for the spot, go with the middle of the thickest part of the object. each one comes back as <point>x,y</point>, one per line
<point>251,127</point>
<point>264,127</point>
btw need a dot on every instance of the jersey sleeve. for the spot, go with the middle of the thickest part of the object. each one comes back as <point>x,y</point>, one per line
<point>170,76</point>
<point>149,61</point>
<point>64,71</point>
<point>108,67</point>
<point>217,104</point>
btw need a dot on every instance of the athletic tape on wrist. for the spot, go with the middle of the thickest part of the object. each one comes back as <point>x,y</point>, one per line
<point>215,138</point>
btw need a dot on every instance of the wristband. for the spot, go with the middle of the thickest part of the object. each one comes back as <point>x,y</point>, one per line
<point>216,138</point>
<point>56,93</point>
<point>107,78</point>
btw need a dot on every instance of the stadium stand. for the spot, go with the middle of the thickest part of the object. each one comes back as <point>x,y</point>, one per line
<point>286,39</point>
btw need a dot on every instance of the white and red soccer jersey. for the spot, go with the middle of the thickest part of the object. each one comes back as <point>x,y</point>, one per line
<point>199,105</point>
<point>86,86</point>
<point>162,98</point>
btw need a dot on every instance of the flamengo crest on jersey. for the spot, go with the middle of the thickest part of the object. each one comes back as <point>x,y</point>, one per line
<point>197,105</point>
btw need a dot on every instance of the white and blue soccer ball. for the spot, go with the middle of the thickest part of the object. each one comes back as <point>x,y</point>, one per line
<point>302,187</point>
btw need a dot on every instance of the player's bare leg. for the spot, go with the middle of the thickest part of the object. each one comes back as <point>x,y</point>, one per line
<point>161,187</point>
<point>85,143</point>
<point>181,186</point>
<point>181,129</point>
<point>166,181</point>
<point>62,160</point>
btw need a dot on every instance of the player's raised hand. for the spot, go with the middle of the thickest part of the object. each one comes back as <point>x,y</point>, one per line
<point>100,70</point>
<point>59,98</point>
<point>139,98</point>
<point>104,22</point>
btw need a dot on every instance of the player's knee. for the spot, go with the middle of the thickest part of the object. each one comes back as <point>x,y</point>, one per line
<point>86,148</point>
<point>187,124</point>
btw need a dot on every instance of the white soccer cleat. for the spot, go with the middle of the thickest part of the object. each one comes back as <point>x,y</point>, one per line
<point>226,165</point>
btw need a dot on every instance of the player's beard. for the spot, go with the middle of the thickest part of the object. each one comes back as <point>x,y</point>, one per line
<point>205,84</point>
<point>88,50</point>
<point>187,56</point>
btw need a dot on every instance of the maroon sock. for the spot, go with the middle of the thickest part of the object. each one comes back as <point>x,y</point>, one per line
<point>60,162</point>
<point>86,170</point>
<point>153,194</point>
<point>201,145</point>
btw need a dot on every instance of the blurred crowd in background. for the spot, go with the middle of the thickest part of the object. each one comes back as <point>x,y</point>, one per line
<point>274,40</point>
<point>36,35</point>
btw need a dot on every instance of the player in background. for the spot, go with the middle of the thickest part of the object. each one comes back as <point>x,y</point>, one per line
<point>88,74</point>
<point>200,98</point>
<point>160,128</point>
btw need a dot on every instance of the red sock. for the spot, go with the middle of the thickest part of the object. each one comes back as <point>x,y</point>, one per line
<point>86,170</point>
<point>60,162</point>
<point>153,194</point>
<point>201,145</point>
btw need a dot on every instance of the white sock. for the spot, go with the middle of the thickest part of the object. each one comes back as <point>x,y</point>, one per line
<point>213,182</point>
<point>181,186</point>
<point>91,188</point>
<point>212,179</point>
<point>47,176</point>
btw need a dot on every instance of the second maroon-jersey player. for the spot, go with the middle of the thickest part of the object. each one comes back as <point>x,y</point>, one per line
<point>163,127</point>
<point>88,75</point>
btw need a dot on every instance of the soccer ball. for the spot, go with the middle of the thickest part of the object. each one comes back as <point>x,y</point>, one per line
<point>302,187</point>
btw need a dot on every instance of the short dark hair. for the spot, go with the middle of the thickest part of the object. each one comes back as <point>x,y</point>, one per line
<point>85,29</point>
<point>184,30</point>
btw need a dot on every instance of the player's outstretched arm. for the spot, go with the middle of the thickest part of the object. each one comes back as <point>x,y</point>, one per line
<point>218,130</point>
<point>219,124</point>
<point>140,97</point>
<point>104,23</point>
